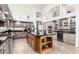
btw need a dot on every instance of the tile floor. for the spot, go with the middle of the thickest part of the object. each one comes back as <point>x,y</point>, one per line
<point>21,47</point>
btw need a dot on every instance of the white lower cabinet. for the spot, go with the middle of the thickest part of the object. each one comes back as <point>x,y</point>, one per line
<point>69,38</point>
<point>1,49</point>
<point>55,36</point>
<point>6,47</point>
<point>10,45</point>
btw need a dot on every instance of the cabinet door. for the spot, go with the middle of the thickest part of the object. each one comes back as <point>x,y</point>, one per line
<point>32,40</point>
<point>69,38</point>
<point>65,37</point>
<point>55,36</point>
<point>72,38</point>
<point>10,45</point>
<point>1,49</point>
<point>5,47</point>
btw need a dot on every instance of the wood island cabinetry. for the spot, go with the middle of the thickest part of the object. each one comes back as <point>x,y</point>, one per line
<point>41,44</point>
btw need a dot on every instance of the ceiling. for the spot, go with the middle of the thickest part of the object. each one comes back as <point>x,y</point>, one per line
<point>37,5</point>
<point>40,6</point>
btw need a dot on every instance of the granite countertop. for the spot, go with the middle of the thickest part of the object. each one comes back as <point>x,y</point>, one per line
<point>16,29</point>
<point>42,34</point>
<point>65,31</point>
<point>3,39</point>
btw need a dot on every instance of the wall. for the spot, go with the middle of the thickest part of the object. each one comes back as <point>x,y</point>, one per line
<point>77,25</point>
<point>47,13</point>
<point>49,7</point>
<point>6,9</point>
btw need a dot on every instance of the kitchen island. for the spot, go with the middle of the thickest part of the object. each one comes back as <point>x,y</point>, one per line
<point>41,43</point>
